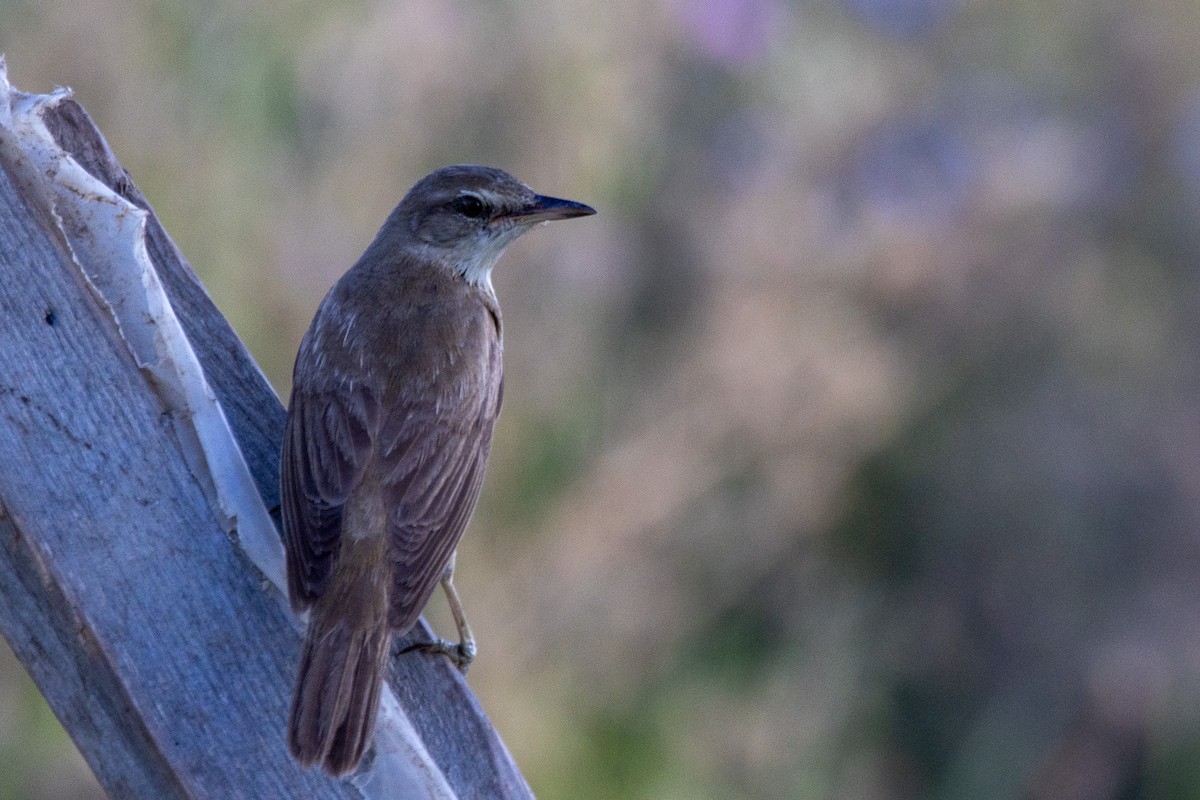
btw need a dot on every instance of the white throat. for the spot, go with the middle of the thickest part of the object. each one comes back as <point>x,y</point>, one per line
<point>476,258</point>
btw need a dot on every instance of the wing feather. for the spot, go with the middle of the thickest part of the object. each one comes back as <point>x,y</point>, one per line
<point>431,467</point>
<point>432,491</point>
<point>421,442</point>
<point>326,444</point>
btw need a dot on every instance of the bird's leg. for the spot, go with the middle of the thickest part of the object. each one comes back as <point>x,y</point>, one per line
<point>463,653</point>
<point>465,649</point>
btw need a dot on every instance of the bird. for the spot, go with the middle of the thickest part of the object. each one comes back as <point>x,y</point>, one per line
<point>395,392</point>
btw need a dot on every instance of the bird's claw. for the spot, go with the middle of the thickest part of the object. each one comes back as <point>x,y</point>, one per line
<point>461,653</point>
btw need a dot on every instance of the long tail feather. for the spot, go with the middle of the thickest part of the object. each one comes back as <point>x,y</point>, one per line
<point>337,690</point>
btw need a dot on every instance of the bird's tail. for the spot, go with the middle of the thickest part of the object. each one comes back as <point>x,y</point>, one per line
<point>338,684</point>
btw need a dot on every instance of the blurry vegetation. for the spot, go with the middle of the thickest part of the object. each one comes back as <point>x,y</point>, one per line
<point>851,451</point>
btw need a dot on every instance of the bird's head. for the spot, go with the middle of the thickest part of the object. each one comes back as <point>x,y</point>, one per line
<point>465,216</point>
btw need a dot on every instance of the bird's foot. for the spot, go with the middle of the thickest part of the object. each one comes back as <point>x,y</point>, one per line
<point>461,653</point>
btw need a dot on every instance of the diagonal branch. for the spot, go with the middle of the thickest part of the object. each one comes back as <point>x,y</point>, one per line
<point>139,566</point>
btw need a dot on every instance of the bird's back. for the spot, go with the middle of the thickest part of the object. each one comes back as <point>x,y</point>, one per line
<point>401,374</point>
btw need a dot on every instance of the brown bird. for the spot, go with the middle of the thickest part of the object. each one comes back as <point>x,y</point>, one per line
<point>395,392</point>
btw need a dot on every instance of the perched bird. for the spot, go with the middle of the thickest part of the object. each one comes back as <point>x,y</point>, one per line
<point>394,394</point>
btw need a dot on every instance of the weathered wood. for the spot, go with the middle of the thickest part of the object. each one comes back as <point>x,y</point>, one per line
<point>156,641</point>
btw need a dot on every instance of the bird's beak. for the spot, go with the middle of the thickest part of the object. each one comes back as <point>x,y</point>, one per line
<point>544,209</point>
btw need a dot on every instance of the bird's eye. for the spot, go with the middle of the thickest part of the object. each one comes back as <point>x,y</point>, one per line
<point>469,206</point>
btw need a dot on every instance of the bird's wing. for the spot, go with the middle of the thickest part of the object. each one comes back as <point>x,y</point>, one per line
<point>432,465</point>
<point>326,444</point>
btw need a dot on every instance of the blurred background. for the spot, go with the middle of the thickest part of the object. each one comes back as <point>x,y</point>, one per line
<point>852,451</point>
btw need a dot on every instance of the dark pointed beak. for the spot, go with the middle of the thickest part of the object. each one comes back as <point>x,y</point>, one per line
<point>544,209</point>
